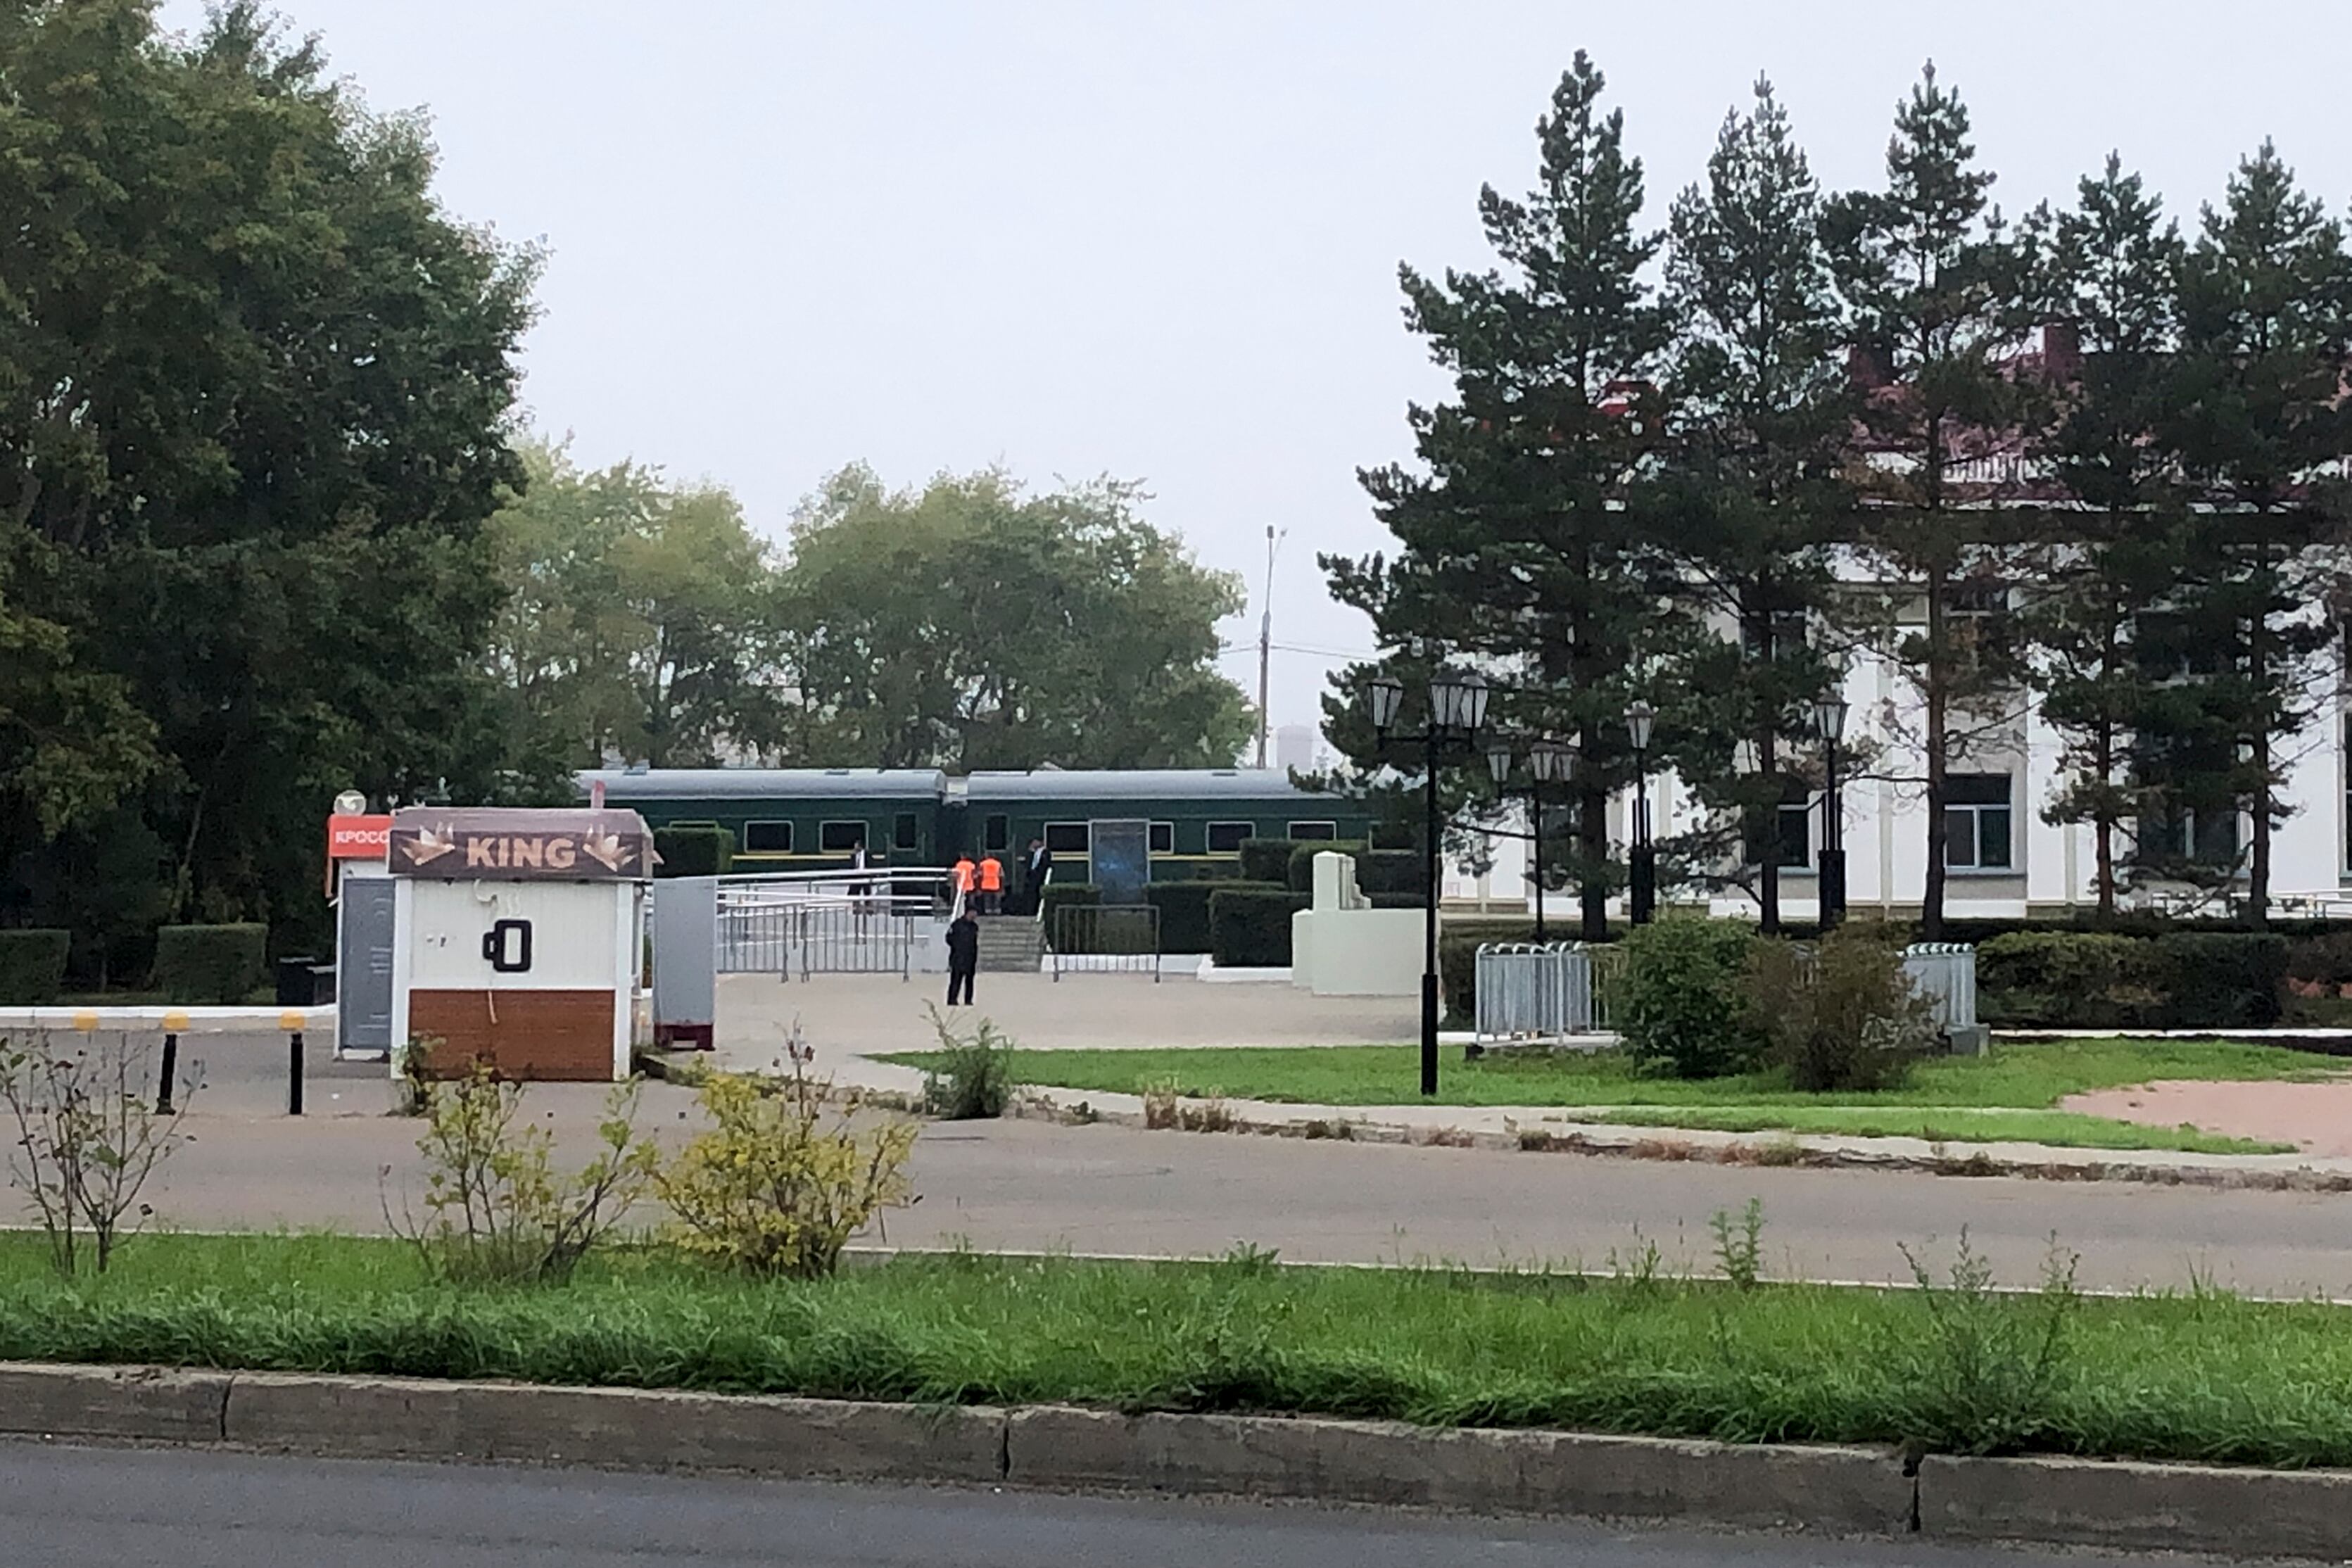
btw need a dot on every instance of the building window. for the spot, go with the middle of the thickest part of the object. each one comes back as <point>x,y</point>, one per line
<point>839,838</point>
<point>1313,831</point>
<point>1163,838</point>
<point>1225,837</point>
<point>1774,634</point>
<point>1786,834</point>
<point>1976,822</point>
<point>1067,838</point>
<point>905,834</point>
<point>2200,838</point>
<point>767,838</point>
<point>996,833</point>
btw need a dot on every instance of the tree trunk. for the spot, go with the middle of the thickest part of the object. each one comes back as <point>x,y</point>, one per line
<point>2258,868</point>
<point>1931,896</point>
<point>1768,888</point>
<point>1593,841</point>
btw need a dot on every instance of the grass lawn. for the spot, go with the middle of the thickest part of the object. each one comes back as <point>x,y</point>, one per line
<point>2009,1095</point>
<point>2205,1376</point>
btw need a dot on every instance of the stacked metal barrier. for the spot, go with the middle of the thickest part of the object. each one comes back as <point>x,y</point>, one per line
<point>1527,992</point>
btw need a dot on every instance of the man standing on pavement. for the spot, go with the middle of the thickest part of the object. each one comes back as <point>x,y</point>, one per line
<point>964,956</point>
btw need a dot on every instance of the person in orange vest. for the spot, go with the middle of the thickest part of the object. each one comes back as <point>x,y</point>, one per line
<point>967,878</point>
<point>992,885</point>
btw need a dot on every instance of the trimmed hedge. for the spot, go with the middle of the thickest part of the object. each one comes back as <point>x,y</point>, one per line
<point>1300,872</point>
<point>1266,859</point>
<point>33,966</point>
<point>1249,926</point>
<point>2102,980</point>
<point>2222,980</point>
<point>202,964</point>
<point>1060,895</point>
<point>1184,912</point>
<point>694,851</point>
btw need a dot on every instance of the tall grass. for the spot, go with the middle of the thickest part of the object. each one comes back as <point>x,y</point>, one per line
<point>2204,1376</point>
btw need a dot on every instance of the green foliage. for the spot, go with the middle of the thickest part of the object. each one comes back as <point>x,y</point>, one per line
<point>2222,980</point>
<point>1739,1244</point>
<point>1249,925</point>
<point>970,1077</point>
<point>1183,913</point>
<point>83,1136</point>
<point>2324,960</point>
<point>32,966</point>
<point>211,964</point>
<point>779,1184</point>
<point>1267,859</point>
<point>2177,979</point>
<point>971,626</point>
<point>1991,1366</point>
<point>1681,1004</point>
<point>1068,895</point>
<point>694,851</point>
<point>495,1210</point>
<point>1399,872</point>
<point>1840,1017</point>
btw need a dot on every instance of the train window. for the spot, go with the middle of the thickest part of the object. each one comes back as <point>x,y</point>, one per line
<point>1067,838</point>
<point>1225,837</point>
<point>904,832</point>
<point>839,838</point>
<point>996,833</point>
<point>1163,838</point>
<point>767,838</point>
<point>1313,831</point>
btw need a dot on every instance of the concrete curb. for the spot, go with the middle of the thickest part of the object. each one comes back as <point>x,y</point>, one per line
<point>1832,1491</point>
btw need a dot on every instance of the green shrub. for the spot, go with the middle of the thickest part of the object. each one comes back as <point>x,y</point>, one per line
<point>1682,1003</point>
<point>973,1078</point>
<point>1393,872</point>
<point>1249,925</point>
<point>1183,913</point>
<point>2221,980</point>
<point>1301,870</point>
<point>32,966</point>
<point>1266,859</point>
<point>1840,1016</point>
<point>694,851</point>
<point>1071,895</point>
<point>2322,961</point>
<point>223,964</point>
<point>2069,980</point>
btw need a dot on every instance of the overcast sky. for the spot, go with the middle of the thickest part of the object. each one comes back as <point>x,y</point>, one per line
<point>1159,240</point>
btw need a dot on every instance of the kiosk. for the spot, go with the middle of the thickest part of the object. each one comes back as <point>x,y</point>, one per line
<point>519,938</point>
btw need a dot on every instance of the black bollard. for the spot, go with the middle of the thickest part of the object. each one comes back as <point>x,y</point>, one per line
<point>294,1073</point>
<point>171,1072</point>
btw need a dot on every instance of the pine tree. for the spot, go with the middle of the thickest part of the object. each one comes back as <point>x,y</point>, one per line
<point>2110,280</point>
<point>2257,416</point>
<point>1520,543</point>
<point>1761,411</point>
<point>1935,292</point>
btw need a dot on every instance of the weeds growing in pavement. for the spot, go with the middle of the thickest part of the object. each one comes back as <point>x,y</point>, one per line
<point>971,1078</point>
<point>1739,1244</point>
<point>86,1137</point>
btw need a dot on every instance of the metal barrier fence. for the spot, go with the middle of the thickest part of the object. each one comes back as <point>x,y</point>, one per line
<point>1945,973</point>
<point>757,937</point>
<point>1527,992</point>
<point>1098,938</point>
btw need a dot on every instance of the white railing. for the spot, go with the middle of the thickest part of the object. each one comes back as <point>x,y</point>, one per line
<point>831,923</point>
<point>1945,973</point>
<point>1530,992</point>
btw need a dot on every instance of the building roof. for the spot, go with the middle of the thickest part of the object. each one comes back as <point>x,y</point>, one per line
<point>766,784</point>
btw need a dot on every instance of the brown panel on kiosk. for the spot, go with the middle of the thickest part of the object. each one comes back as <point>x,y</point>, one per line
<point>549,1036</point>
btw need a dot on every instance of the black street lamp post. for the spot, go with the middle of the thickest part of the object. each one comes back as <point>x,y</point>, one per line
<point>1829,717</point>
<point>1547,763</point>
<point>1639,717</point>
<point>1457,706</point>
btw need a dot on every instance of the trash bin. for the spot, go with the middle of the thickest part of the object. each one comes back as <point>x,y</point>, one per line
<point>323,984</point>
<point>296,985</point>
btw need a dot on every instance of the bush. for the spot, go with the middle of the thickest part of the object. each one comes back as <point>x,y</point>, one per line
<point>1183,913</point>
<point>84,1134</point>
<point>1682,1004</point>
<point>222,963</point>
<point>779,1186</point>
<point>1249,925</point>
<point>1266,859</point>
<point>1393,872</point>
<point>973,1079</point>
<point>2072,980</point>
<point>495,1211</point>
<point>694,851</point>
<point>1842,1015</point>
<point>1300,870</point>
<point>32,966</point>
<point>2221,980</point>
<point>2320,965</point>
<point>1068,895</point>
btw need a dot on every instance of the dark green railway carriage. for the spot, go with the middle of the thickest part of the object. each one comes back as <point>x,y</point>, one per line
<point>814,818</point>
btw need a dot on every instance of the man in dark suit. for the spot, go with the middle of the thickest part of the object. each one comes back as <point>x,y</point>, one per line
<point>1034,869</point>
<point>964,956</point>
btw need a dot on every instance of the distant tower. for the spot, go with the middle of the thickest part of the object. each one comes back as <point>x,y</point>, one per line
<point>1293,747</point>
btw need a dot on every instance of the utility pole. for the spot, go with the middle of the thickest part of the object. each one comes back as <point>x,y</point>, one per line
<point>1266,639</point>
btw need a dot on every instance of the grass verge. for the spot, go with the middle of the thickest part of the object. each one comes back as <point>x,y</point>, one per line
<point>1954,1095</point>
<point>2204,1376</point>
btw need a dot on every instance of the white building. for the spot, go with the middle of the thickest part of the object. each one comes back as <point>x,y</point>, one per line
<point>1295,745</point>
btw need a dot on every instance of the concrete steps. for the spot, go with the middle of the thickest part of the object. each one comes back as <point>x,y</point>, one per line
<point>1010,944</point>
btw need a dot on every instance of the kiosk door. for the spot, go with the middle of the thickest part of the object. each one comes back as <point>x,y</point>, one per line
<point>364,968</point>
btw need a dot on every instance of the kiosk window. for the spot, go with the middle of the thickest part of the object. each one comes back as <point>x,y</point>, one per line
<point>767,838</point>
<point>839,838</point>
<point>1225,837</point>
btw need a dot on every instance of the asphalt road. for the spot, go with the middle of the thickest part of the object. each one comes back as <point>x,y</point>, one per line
<point>1110,1189</point>
<point>98,1508</point>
